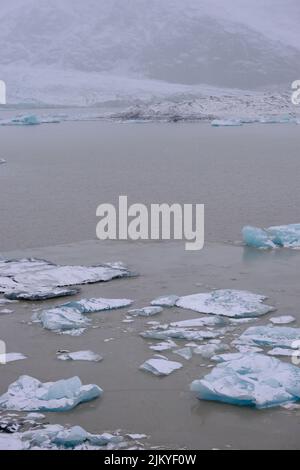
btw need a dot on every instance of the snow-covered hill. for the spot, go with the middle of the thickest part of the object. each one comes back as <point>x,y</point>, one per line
<point>84,52</point>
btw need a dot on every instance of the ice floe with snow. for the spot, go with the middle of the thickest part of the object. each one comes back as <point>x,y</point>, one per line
<point>57,437</point>
<point>282,320</point>
<point>287,236</point>
<point>226,302</point>
<point>29,394</point>
<point>250,380</point>
<point>89,356</point>
<point>145,311</point>
<point>33,274</point>
<point>71,315</point>
<point>165,301</point>
<point>40,293</point>
<point>160,367</point>
<point>180,333</point>
<point>270,336</point>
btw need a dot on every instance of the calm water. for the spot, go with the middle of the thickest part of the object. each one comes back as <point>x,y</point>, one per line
<point>57,175</point>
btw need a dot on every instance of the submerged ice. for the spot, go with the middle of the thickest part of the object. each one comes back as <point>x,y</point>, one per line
<point>250,380</point>
<point>287,236</point>
<point>226,302</point>
<point>29,394</point>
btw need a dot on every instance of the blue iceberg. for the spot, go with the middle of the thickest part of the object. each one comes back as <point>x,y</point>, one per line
<point>250,380</point>
<point>287,236</point>
<point>29,394</point>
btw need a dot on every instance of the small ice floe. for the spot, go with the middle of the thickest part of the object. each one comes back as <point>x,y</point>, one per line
<point>2,161</point>
<point>283,320</point>
<point>269,336</point>
<point>226,302</point>
<point>35,417</point>
<point>71,315</point>
<point>287,352</point>
<point>199,322</point>
<point>40,293</point>
<point>164,346</point>
<point>32,274</point>
<point>7,301</point>
<point>6,311</point>
<point>57,437</point>
<point>287,236</point>
<point>11,357</point>
<point>165,301</point>
<point>208,350</point>
<point>29,394</point>
<point>145,312</point>
<point>186,353</point>
<point>250,380</point>
<point>80,356</point>
<point>180,333</point>
<point>160,367</point>
<point>226,123</point>
<point>247,349</point>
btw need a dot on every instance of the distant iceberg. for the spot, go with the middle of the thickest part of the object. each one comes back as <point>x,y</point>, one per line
<point>226,302</point>
<point>29,394</point>
<point>287,236</point>
<point>250,380</point>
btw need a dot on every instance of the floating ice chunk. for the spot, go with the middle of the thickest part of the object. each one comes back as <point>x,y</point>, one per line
<point>199,322</point>
<point>186,353</point>
<point>283,320</point>
<point>180,333</point>
<point>11,357</point>
<point>226,122</point>
<point>250,380</point>
<point>33,274</point>
<point>287,236</point>
<point>30,120</point>
<point>40,293</point>
<point>29,394</point>
<point>273,336</point>
<point>6,311</point>
<point>61,276</point>
<point>80,356</point>
<point>85,306</point>
<point>2,161</point>
<point>160,367</point>
<point>227,302</point>
<point>62,319</point>
<point>35,416</point>
<point>165,301</point>
<point>164,346</point>
<point>247,349</point>
<point>283,352</point>
<point>209,350</point>
<point>145,312</point>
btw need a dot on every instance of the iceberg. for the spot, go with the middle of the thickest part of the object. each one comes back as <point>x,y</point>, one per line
<point>226,302</point>
<point>57,437</point>
<point>145,312</point>
<point>226,123</point>
<point>283,320</point>
<point>30,120</point>
<point>34,275</point>
<point>165,301</point>
<point>29,394</point>
<point>180,333</point>
<point>80,356</point>
<point>287,236</point>
<point>250,380</point>
<point>186,353</point>
<point>209,350</point>
<point>199,322</point>
<point>71,315</point>
<point>270,336</point>
<point>160,367</point>
<point>40,293</point>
